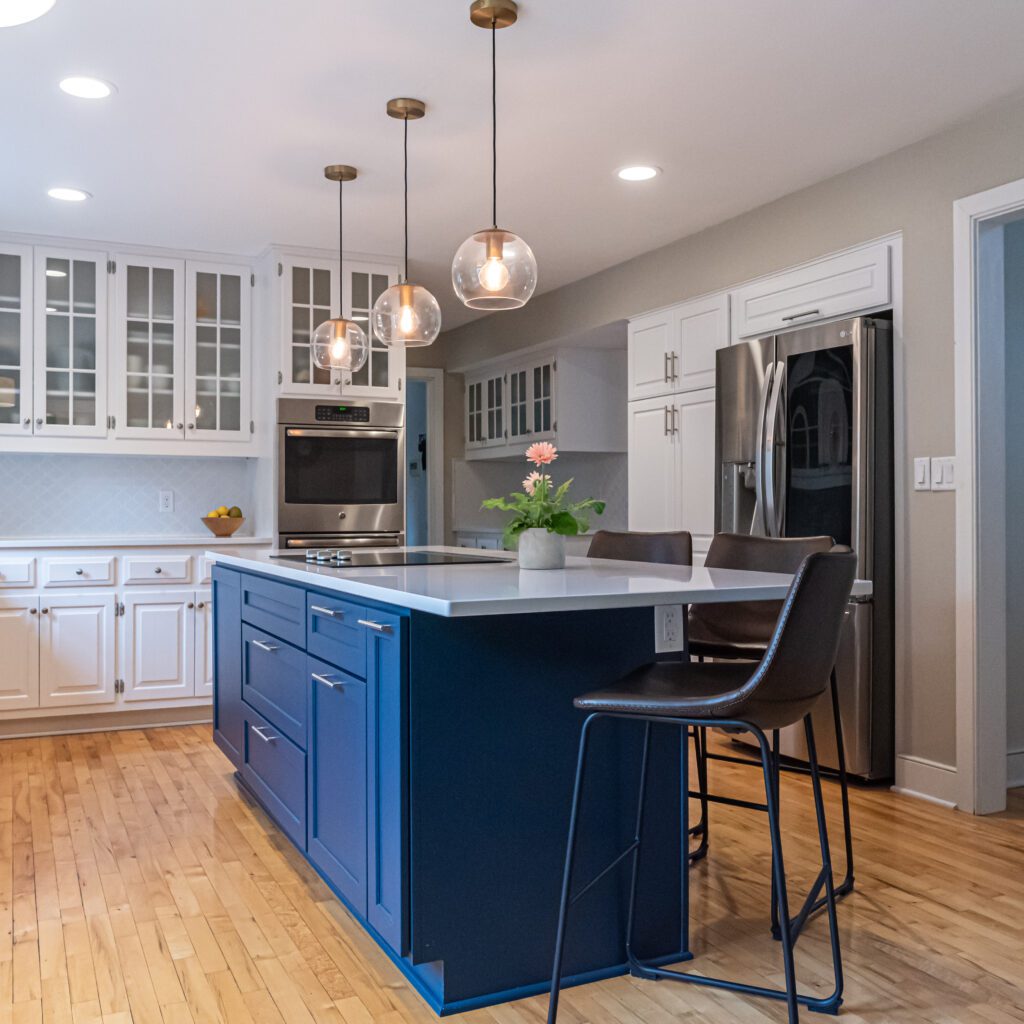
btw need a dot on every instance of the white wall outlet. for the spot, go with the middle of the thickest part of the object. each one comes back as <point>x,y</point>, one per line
<point>167,501</point>
<point>668,628</point>
<point>944,473</point>
<point>923,474</point>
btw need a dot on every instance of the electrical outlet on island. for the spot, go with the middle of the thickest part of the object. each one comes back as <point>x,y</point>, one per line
<point>668,628</point>
<point>167,501</point>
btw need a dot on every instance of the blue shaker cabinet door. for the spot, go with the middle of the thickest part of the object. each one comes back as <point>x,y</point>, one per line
<point>388,768</point>
<point>337,780</point>
<point>227,663</point>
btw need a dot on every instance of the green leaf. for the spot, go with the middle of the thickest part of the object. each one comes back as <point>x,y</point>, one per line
<point>564,523</point>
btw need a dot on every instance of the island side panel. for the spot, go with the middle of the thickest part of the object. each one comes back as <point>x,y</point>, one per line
<point>493,741</point>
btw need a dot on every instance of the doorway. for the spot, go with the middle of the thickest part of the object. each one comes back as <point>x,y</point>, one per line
<point>989,358</point>
<point>424,456</point>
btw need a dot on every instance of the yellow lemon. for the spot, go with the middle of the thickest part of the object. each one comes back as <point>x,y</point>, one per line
<point>215,514</point>
<point>223,510</point>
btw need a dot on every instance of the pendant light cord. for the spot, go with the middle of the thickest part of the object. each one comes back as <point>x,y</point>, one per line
<point>494,122</point>
<point>405,154</point>
<point>341,234</point>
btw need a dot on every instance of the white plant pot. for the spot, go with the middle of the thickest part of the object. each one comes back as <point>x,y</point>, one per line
<point>541,549</point>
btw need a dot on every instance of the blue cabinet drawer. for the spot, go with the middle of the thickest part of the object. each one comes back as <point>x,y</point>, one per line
<point>274,682</point>
<point>274,768</point>
<point>333,633</point>
<point>276,607</point>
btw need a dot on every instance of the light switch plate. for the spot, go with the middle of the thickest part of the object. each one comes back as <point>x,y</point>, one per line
<point>944,473</point>
<point>923,474</point>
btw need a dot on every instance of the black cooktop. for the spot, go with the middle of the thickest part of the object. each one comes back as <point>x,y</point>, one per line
<point>344,558</point>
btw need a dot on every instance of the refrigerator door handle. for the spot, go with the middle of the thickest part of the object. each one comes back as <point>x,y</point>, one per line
<point>760,524</point>
<point>773,508</point>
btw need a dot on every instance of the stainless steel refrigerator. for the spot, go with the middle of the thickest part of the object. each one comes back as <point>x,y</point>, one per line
<point>804,447</point>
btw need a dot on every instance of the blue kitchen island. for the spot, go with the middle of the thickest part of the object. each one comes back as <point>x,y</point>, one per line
<point>411,730</point>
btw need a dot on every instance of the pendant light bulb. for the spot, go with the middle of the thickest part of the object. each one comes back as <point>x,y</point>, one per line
<point>339,344</point>
<point>406,315</point>
<point>494,269</point>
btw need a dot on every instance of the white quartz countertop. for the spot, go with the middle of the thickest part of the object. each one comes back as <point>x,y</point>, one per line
<point>157,541</point>
<point>499,587</point>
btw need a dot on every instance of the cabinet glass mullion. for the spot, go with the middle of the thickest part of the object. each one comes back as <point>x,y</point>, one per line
<point>70,350</point>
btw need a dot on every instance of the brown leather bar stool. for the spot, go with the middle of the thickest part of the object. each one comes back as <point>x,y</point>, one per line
<point>780,690</point>
<point>741,630</point>
<point>666,548</point>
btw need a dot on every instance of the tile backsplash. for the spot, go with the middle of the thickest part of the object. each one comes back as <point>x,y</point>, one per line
<point>117,495</point>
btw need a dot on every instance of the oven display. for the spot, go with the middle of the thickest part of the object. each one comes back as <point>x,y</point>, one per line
<point>342,414</point>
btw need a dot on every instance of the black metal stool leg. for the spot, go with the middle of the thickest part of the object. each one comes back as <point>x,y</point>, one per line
<point>700,741</point>
<point>641,794</point>
<point>776,772</point>
<point>570,856</point>
<point>846,885</point>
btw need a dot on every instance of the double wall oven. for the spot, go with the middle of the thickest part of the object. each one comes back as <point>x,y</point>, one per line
<point>340,479</point>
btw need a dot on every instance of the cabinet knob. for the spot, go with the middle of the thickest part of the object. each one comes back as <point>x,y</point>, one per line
<point>342,515</point>
<point>44,610</point>
<point>191,604</point>
<point>202,604</point>
<point>27,422</point>
<point>39,421</point>
<point>158,570</point>
<point>179,426</point>
<point>79,572</point>
<point>191,426</point>
<point>31,611</point>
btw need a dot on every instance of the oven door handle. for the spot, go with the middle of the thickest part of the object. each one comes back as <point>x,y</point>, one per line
<point>343,432</point>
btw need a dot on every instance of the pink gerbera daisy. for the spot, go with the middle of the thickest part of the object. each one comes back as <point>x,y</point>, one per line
<point>542,453</point>
<point>534,478</point>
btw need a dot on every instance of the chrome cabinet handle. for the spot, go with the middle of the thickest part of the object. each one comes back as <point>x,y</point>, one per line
<point>675,363</point>
<point>665,427</point>
<point>675,420</point>
<point>264,646</point>
<point>332,613</point>
<point>258,729</point>
<point>158,570</point>
<point>79,572</point>
<point>334,684</point>
<point>800,316</point>
<point>377,627</point>
<point>666,368</point>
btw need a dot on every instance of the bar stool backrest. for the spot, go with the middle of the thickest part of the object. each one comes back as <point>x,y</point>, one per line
<point>666,548</point>
<point>749,622</point>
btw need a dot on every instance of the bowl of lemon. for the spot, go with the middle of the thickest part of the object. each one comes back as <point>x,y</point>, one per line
<point>224,521</point>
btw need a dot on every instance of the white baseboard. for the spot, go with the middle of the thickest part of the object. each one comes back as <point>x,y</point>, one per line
<point>110,721</point>
<point>926,780</point>
<point>1015,769</point>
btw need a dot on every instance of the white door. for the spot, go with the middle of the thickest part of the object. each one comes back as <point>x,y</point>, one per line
<point>204,644</point>
<point>217,352</point>
<point>70,350</point>
<point>310,294</point>
<point>652,470</point>
<point>19,642</point>
<point>149,348</point>
<point>15,339</point>
<point>701,328</point>
<point>361,285</point>
<point>76,649</point>
<point>695,444</point>
<point>651,346</point>
<point>159,638</point>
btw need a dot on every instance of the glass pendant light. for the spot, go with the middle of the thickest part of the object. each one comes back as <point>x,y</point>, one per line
<point>494,269</point>
<point>340,344</point>
<point>406,315</point>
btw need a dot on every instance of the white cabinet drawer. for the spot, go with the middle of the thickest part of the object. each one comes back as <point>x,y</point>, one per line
<point>203,573</point>
<point>17,572</point>
<point>91,571</point>
<point>149,569</point>
<point>828,288</point>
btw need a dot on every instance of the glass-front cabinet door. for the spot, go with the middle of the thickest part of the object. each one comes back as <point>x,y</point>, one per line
<point>309,297</point>
<point>217,350</point>
<point>15,339</point>
<point>542,399</point>
<point>149,346</point>
<point>70,328</point>
<point>518,405</point>
<point>362,284</point>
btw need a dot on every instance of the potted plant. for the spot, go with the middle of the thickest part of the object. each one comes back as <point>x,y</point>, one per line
<point>542,515</point>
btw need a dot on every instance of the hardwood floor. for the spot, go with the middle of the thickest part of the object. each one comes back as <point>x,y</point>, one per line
<point>137,885</point>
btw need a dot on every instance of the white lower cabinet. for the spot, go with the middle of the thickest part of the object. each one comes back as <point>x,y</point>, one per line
<point>76,649</point>
<point>19,642</point>
<point>204,644</point>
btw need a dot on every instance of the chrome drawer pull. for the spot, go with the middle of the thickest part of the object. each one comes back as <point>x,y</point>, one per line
<point>800,316</point>
<point>334,684</point>
<point>378,627</point>
<point>333,613</point>
<point>258,729</point>
<point>264,646</point>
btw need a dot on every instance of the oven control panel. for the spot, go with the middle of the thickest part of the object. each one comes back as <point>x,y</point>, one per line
<point>342,414</point>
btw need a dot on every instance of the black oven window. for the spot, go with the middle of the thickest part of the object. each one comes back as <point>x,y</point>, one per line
<point>341,471</point>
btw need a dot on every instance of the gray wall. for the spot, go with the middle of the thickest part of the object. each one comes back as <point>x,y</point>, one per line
<point>911,191</point>
<point>1013,262</point>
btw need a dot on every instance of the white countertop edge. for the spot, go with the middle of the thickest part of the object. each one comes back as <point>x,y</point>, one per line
<point>506,606</point>
<point>196,541</point>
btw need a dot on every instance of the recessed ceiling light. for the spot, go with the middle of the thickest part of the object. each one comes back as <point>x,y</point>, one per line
<point>639,172</point>
<point>56,273</point>
<point>69,195</point>
<point>86,88</point>
<point>17,12</point>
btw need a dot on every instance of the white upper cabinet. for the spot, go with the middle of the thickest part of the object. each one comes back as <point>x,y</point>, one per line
<point>851,282</point>
<point>15,339</point>
<point>486,410</point>
<point>653,468</point>
<point>149,347</point>
<point>311,291</point>
<point>674,349</point>
<point>218,352</point>
<point>70,358</point>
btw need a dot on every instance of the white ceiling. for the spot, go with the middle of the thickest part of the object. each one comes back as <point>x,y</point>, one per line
<point>227,111</point>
